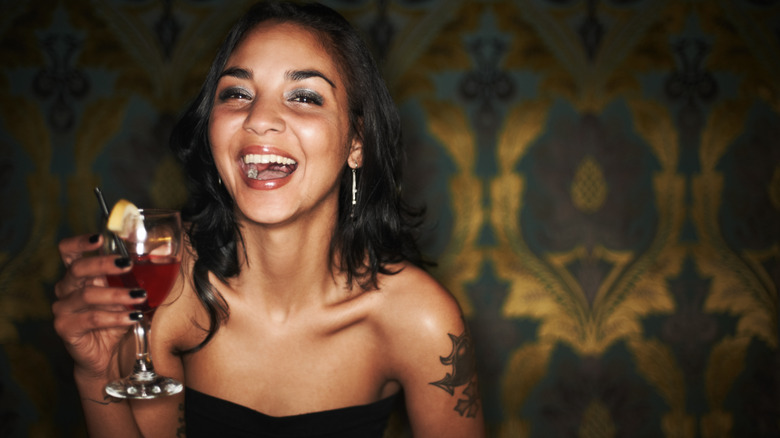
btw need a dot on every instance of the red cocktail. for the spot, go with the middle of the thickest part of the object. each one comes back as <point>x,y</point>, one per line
<point>154,274</point>
<point>153,240</point>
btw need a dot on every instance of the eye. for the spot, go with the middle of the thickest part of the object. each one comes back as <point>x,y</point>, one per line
<point>234,93</point>
<point>306,97</point>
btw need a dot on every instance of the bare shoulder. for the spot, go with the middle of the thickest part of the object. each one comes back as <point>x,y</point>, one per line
<point>414,301</point>
<point>431,354</point>
<point>419,317</point>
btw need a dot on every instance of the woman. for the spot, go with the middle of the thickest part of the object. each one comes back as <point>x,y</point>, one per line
<point>300,294</point>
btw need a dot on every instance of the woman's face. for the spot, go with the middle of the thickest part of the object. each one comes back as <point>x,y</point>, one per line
<point>279,129</point>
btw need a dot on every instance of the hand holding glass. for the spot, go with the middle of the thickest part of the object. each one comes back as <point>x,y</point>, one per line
<point>154,245</point>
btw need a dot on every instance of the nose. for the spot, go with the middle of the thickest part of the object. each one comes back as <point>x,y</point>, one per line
<point>263,117</point>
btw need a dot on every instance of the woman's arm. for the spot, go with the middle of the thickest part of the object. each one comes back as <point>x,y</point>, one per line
<point>93,319</point>
<point>434,359</point>
<point>111,417</point>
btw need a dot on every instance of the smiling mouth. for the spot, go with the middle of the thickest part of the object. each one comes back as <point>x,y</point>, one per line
<point>264,167</point>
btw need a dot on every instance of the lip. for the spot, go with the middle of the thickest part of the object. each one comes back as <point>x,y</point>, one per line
<point>271,184</point>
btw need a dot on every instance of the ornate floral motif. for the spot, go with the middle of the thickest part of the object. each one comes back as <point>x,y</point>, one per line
<point>59,81</point>
<point>602,180</point>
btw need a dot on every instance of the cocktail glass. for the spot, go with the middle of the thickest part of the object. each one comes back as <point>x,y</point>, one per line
<point>154,244</point>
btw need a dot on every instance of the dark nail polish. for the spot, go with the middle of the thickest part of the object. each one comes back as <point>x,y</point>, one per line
<point>136,316</point>
<point>137,293</point>
<point>122,262</point>
<point>94,238</point>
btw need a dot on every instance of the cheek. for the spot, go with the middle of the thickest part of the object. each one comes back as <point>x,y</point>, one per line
<point>313,135</point>
<point>214,130</point>
<point>218,143</point>
<point>219,135</point>
<point>325,138</point>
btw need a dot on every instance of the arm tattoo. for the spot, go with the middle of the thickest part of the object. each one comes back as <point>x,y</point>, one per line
<point>464,372</point>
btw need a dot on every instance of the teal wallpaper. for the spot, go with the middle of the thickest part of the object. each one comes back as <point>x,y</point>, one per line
<point>602,181</point>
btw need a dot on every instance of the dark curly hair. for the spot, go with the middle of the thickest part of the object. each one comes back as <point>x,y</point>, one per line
<point>382,229</point>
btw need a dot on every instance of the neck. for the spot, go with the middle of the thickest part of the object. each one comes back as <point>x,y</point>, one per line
<point>288,267</point>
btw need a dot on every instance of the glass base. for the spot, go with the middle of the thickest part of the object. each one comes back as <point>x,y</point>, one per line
<point>144,387</point>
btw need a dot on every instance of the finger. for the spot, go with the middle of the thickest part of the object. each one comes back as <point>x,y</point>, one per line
<point>75,325</point>
<point>90,270</point>
<point>68,284</point>
<point>72,248</point>
<point>98,266</point>
<point>75,303</point>
<point>102,296</point>
<point>99,298</point>
<point>62,289</point>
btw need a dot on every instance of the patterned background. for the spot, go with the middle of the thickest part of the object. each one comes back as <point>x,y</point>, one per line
<point>602,180</point>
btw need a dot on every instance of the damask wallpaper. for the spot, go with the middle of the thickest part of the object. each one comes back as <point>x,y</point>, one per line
<point>602,181</point>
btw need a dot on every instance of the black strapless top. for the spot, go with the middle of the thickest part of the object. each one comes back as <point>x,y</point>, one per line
<point>209,416</point>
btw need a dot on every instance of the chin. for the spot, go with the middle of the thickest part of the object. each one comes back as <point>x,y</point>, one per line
<point>264,216</point>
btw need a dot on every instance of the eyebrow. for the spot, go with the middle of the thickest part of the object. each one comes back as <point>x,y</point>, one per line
<point>236,72</point>
<point>293,75</point>
<point>299,75</point>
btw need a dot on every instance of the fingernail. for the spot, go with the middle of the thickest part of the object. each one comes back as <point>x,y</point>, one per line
<point>122,262</point>
<point>137,293</point>
<point>94,238</point>
<point>136,316</point>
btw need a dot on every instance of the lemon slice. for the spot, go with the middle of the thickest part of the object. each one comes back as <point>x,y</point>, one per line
<point>124,218</point>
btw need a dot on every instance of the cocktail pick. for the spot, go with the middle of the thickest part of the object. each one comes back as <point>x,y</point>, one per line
<point>104,210</point>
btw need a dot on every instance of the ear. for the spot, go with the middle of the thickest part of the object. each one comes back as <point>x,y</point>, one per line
<point>355,158</point>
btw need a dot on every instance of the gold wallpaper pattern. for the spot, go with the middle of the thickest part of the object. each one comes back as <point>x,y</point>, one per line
<point>119,37</point>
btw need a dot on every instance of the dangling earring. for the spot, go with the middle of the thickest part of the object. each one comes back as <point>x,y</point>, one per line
<point>219,179</point>
<point>354,192</point>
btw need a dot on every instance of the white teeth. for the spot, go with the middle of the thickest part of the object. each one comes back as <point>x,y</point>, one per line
<point>267,159</point>
<point>252,173</point>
